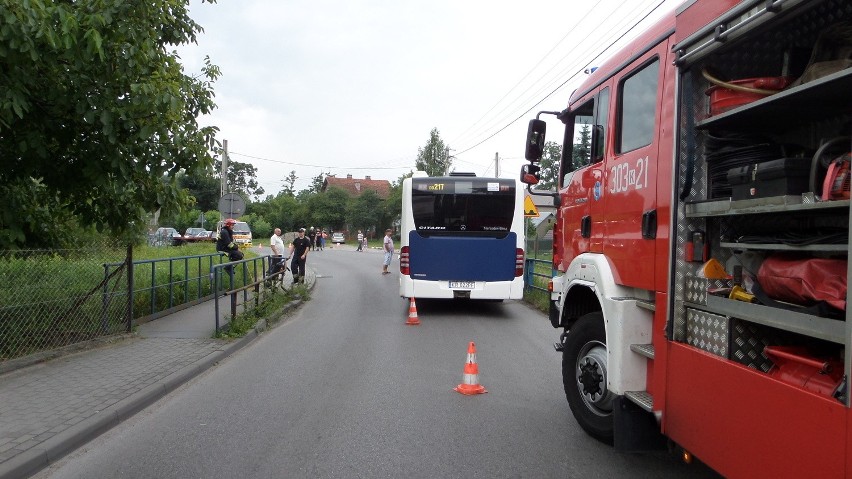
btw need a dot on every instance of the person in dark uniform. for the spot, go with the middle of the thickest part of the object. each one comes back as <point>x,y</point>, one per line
<point>312,238</point>
<point>299,252</point>
<point>225,244</point>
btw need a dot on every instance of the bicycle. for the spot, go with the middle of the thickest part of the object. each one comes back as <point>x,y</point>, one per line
<point>277,270</point>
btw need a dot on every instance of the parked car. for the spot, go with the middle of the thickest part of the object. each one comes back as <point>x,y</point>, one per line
<point>192,235</point>
<point>166,237</point>
<point>338,238</point>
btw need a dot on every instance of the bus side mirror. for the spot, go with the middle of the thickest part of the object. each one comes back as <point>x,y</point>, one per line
<point>535,140</point>
<point>530,174</point>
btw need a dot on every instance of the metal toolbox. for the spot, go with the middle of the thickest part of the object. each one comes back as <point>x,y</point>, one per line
<point>785,176</point>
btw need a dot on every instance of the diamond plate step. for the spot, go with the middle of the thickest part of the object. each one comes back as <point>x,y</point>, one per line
<point>642,399</point>
<point>646,350</point>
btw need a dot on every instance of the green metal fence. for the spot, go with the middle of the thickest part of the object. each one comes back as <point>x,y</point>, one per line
<point>54,298</point>
<point>537,273</point>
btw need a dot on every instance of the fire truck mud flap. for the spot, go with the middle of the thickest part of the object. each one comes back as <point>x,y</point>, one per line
<point>553,314</point>
<point>636,430</point>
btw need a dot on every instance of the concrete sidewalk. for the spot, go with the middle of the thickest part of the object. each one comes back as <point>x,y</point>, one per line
<point>50,408</point>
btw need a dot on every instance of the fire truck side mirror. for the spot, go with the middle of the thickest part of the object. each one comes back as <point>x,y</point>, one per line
<point>535,140</point>
<point>530,174</point>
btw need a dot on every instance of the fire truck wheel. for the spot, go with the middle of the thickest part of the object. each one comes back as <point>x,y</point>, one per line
<point>584,375</point>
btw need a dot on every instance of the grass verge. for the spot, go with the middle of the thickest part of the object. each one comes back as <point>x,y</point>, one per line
<point>539,299</point>
<point>269,308</point>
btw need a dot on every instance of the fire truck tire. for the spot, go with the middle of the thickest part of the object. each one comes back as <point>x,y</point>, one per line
<point>584,375</point>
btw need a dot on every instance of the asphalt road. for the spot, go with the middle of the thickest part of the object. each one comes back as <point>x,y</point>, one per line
<point>343,388</point>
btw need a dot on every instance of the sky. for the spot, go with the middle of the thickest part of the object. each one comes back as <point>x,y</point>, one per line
<point>354,87</point>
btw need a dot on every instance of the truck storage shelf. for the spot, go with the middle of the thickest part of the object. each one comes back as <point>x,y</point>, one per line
<point>827,96</point>
<point>841,248</point>
<point>809,325</point>
<point>774,204</point>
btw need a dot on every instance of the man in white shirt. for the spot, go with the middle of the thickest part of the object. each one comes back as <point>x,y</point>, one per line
<point>360,241</point>
<point>277,245</point>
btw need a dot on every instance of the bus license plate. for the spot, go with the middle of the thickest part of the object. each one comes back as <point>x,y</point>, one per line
<point>461,284</point>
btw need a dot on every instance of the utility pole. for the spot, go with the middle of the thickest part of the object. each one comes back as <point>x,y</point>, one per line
<point>497,164</point>
<point>224,183</point>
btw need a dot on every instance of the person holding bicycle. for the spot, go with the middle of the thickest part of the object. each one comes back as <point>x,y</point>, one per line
<point>276,261</point>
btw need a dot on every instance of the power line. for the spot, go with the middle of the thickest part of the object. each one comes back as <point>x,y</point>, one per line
<point>512,121</point>
<point>325,167</point>
<point>570,29</point>
<point>575,66</point>
<point>566,81</point>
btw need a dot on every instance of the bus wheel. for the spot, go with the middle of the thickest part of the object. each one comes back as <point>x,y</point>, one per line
<point>584,375</point>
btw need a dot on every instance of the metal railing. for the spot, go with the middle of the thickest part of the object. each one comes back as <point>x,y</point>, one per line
<point>164,285</point>
<point>189,280</point>
<point>243,277</point>
<point>537,273</point>
<point>55,298</point>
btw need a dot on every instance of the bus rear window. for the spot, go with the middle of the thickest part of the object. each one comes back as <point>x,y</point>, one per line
<point>476,207</point>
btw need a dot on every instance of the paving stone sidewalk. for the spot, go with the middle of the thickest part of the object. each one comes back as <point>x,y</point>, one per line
<point>66,402</point>
<point>50,408</point>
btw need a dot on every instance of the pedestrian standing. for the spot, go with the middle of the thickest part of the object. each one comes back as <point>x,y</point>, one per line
<point>388,246</point>
<point>360,241</point>
<point>312,237</point>
<point>277,246</point>
<point>322,237</point>
<point>299,252</point>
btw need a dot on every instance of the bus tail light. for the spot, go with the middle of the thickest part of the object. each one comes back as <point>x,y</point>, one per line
<point>519,262</point>
<point>404,266</point>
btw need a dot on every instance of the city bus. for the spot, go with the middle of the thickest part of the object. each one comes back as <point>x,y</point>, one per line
<point>461,236</point>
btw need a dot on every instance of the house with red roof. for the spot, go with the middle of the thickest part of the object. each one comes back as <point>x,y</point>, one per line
<point>356,186</point>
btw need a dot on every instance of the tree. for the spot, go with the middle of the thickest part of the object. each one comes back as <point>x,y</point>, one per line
<point>242,178</point>
<point>317,182</point>
<point>261,229</point>
<point>96,109</point>
<point>365,211</point>
<point>328,209</point>
<point>581,153</point>
<point>290,184</point>
<point>550,160</point>
<point>44,212</point>
<point>393,205</point>
<point>202,185</point>
<point>434,158</point>
<point>278,211</point>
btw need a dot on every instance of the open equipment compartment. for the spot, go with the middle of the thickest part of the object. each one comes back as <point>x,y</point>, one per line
<point>745,217</point>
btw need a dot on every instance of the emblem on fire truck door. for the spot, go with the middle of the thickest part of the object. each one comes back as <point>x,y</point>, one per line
<point>597,190</point>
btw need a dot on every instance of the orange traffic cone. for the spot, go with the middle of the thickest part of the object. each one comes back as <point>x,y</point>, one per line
<point>412,313</point>
<point>471,384</point>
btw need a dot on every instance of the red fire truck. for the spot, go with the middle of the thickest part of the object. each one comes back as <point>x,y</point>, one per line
<point>701,243</point>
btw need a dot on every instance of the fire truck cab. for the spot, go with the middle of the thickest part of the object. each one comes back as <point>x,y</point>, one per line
<point>701,243</point>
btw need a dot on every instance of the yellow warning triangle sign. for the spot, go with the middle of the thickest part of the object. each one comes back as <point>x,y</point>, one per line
<point>530,210</point>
